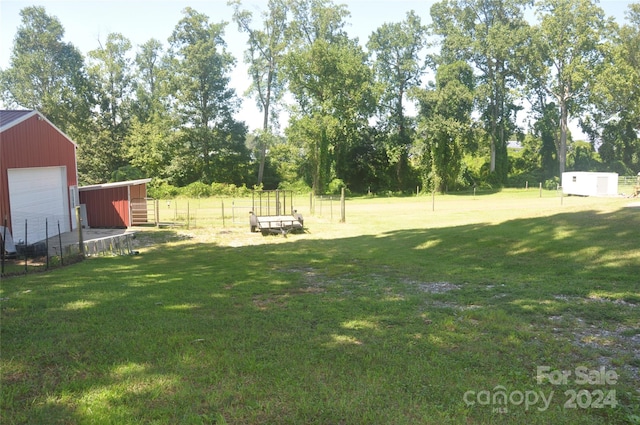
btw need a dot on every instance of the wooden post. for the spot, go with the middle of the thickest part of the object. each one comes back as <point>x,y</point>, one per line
<point>433,199</point>
<point>342,208</point>
<point>541,189</point>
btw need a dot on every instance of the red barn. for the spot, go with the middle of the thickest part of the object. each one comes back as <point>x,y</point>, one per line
<point>38,176</point>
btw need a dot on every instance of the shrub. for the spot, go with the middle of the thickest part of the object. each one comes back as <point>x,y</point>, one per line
<point>552,184</point>
<point>298,187</point>
<point>229,190</point>
<point>243,191</point>
<point>160,189</point>
<point>335,186</point>
<point>196,190</point>
<point>520,180</point>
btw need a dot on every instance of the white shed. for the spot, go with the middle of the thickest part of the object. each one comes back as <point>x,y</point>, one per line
<point>584,183</point>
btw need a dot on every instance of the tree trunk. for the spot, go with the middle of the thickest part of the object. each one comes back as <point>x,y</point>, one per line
<point>265,128</point>
<point>562,147</point>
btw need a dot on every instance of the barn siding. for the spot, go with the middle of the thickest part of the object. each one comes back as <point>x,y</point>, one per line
<point>35,142</point>
<point>107,207</point>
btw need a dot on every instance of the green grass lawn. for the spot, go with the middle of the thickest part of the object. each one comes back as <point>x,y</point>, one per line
<point>413,311</point>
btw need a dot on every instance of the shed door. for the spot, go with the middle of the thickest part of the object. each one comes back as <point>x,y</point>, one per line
<point>603,185</point>
<point>38,195</point>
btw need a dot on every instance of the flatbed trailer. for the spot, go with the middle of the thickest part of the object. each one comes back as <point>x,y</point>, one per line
<point>281,224</point>
<point>268,213</point>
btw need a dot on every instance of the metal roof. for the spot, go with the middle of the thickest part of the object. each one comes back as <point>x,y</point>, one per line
<point>114,184</point>
<point>10,118</point>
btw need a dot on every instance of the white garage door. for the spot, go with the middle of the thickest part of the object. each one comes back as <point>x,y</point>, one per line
<point>38,196</point>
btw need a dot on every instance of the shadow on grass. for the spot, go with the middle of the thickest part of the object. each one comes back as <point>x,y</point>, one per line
<point>478,192</point>
<point>317,331</point>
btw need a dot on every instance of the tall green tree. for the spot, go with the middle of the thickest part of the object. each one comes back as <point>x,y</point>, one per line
<point>265,57</point>
<point>151,84</point>
<point>47,73</point>
<point>544,126</point>
<point>614,120</point>
<point>397,49</point>
<point>445,124</point>
<point>332,85</point>
<point>490,35</point>
<point>570,33</point>
<point>152,140</point>
<point>204,102</point>
<point>110,70</point>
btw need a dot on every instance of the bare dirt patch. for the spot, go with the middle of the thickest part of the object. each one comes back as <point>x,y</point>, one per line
<point>437,287</point>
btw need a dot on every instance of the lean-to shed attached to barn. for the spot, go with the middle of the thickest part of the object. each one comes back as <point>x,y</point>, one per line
<point>119,204</point>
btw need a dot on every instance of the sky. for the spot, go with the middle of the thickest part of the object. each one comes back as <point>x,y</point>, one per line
<point>87,22</point>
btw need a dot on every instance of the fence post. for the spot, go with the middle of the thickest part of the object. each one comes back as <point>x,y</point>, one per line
<point>433,199</point>
<point>46,240</point>
<point>26,243</point>
<point>541,189</point>
<point>331,209</point>
<point>80,238</point>
<point>60,242</point>
<point>4,238</point>
<point>342,209</point>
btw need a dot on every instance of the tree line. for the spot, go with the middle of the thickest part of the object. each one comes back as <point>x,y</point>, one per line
<point>360,116</point>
